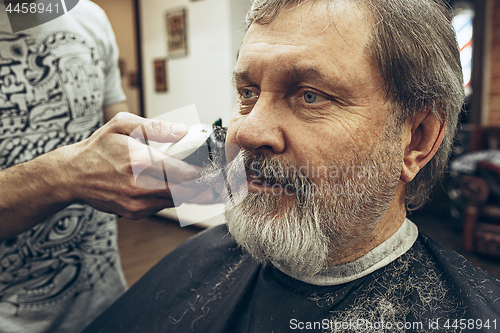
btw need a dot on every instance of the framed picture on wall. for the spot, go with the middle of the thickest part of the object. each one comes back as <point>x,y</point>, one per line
<point>176,22</point>
<point>160,68</point>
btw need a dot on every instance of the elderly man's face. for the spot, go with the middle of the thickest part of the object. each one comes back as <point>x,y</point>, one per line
<point>310,104</point>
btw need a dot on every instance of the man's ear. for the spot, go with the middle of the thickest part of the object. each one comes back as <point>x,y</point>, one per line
<point>422,137</point>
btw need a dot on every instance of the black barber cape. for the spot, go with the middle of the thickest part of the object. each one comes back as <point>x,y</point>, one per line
<point>209,285</point>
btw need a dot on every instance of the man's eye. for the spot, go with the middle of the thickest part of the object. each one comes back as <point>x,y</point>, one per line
<point>310,97</point>
<point>247,93</point>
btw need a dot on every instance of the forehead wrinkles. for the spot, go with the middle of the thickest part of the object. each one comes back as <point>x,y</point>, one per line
<point>316,17</point>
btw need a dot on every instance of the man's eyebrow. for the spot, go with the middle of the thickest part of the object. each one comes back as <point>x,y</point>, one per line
<point>293,74</point>
<point>240,76</point>
<point>300,74</point>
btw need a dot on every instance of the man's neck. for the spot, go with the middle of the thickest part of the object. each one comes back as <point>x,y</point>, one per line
<point>382,255</point>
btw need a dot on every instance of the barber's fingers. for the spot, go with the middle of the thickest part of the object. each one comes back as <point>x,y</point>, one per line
<point>155,180</point>
<point>143,208</point>
<point>146,129</point>
<point>178,193</point>
<point>146,160</point>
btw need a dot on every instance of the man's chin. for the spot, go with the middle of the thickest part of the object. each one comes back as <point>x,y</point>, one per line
<point>278,234</point>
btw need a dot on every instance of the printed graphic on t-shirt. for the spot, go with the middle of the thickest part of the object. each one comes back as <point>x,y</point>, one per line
<point>68,254</point>
<point>51,94</point>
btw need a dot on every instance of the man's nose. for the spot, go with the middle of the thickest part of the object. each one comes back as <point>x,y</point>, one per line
<point>261,131</point>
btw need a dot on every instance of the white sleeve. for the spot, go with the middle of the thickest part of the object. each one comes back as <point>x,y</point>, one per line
<point>113,92</point>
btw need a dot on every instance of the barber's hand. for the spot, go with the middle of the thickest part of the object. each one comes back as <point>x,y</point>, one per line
<point>100,169</point>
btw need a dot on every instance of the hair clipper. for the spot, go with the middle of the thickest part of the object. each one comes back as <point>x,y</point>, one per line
<point>203,144</point>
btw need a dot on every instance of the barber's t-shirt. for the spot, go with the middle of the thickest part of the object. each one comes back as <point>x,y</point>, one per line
<point>55,80</point>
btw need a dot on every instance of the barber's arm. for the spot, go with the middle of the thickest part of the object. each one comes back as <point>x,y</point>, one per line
<point>97,171</point>
<point>112,110</point>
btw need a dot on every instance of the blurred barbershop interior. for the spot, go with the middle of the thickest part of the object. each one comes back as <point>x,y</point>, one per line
<point>175,53</point>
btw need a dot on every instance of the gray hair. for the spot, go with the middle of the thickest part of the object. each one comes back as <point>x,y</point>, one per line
<point>414,46</point>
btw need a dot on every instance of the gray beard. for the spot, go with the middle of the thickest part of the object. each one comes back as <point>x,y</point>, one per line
<point>319,220</point>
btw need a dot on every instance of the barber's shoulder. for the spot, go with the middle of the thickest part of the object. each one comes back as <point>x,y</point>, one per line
<point>89,5</point>
<point>92,12</point>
